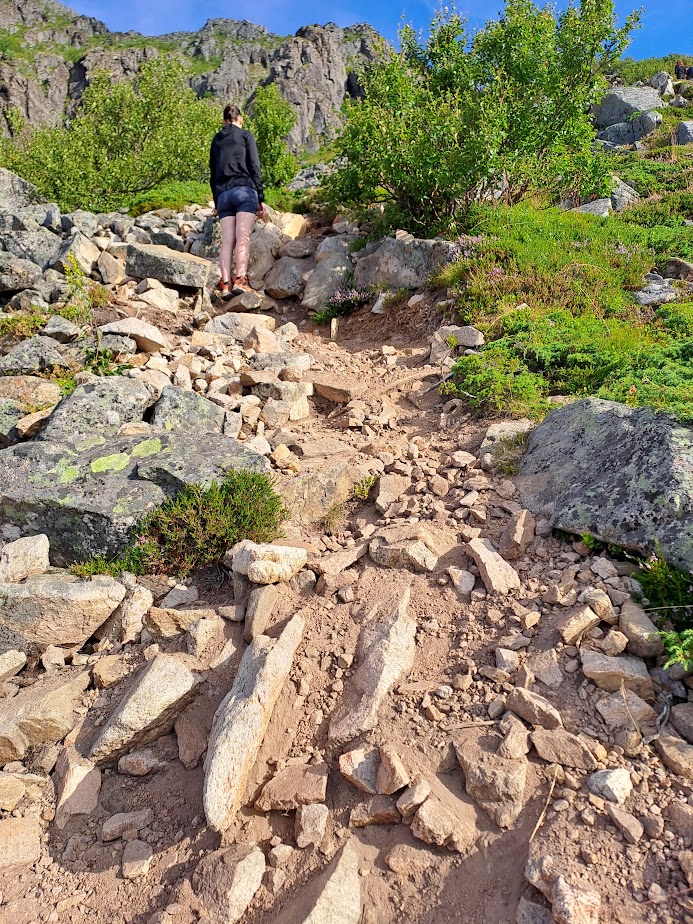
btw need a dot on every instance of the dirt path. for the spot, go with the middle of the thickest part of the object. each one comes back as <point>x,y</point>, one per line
<point>454,695</point>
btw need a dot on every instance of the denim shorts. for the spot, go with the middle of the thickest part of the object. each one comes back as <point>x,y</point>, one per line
<point>237,199</point>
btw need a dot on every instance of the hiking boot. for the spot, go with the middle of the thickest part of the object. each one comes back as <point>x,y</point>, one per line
<point>225,292</point>
<point>241,284</point>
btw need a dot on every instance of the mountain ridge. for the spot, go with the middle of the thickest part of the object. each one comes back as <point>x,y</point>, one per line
<point>48,54</point>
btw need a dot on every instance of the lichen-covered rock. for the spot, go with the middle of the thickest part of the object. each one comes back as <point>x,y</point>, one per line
<point>325,279</point>
<point>96,411</point>
<point>620,103</point>
<point>16,273</point>
<point>178,409</point>
<point>87,502</point>
<point>37,354</point>
<point>624,475</point>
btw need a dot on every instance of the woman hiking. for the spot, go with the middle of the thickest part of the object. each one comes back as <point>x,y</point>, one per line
<point>680,70</point>
<point>236,181</point>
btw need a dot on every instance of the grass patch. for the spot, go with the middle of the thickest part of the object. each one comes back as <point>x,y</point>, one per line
<point>652,173</point>
<point>552,292</point>
<point>174,196</point>
<point>197,527</point>
<point>508,452</point>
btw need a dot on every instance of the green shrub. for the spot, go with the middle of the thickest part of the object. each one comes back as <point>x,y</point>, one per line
<point>174,195</point>
<point>452,118</point>
<point>649,176</point>
<point>497,381</point>
<point>127,138</point>
<point>272,120</point>
<point>669,211</point>
<point>679,648</point>
<point>198,526</point>
<point>551,292</point>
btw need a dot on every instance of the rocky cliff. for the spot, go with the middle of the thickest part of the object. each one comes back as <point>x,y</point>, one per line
<point>48,54</point>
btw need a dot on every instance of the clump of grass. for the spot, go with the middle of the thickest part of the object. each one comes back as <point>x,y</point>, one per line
<point>396,298</point>
<point>197,527</point>
<point>507,453</point>
<point>334,519</point>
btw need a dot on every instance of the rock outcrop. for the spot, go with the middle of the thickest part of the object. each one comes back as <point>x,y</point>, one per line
<point>314,70</point>
<point>624,475</point>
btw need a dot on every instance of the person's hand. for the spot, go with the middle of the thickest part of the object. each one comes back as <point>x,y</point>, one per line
<point>214,213</point>
<point>261,213</point>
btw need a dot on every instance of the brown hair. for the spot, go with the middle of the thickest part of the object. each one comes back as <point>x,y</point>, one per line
<point>231,113</point>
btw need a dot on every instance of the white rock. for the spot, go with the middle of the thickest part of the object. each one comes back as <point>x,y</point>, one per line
<point>149,708</point>
<point>241,721</point>
<point>386,650</point>
<point>23,557</point>
<point>310,824</point>
<point>267,564</point>
<point>148,338</point>
<point>613,785</point>
<point>77,786</point>
<point>137,858</point>
<point>226,881</point>
<point>498,576</point>
<point>11,663</point>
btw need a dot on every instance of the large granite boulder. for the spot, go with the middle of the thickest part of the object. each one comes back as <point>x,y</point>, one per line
<point>37,354</point>
<point>620,103</point>
<point>87,501</point>
<point>94,413</point>
<point>154,261</point>
<point>684,133</point>
<point>624,475</point>
<point>401,264</point>
<point>15,193</point>
<point>16,273</point>
<point>634,130</point>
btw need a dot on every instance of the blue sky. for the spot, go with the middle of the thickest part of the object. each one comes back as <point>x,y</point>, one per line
<point>667,24</point>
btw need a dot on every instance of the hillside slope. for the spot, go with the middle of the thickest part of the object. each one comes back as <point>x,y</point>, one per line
<point>48,53</point>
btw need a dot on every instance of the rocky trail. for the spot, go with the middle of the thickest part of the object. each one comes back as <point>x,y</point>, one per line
<point>422,704</point>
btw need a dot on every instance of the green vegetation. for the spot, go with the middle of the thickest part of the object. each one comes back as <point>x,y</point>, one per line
<point>273,118</point>
<point>363,488</point>
<point>174,195</point>
<point>127,138</point>
<point>551,291</point>
<point>454,118</point>
<point>631,71</point>
<point>669,592</point>
<point>651,174</point>
<point>679,648</point>
<point>197,527</point>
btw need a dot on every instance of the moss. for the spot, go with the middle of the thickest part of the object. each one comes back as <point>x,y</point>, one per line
<point>113,463</point>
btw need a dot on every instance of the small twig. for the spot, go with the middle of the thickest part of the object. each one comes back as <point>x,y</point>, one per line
<point>541,818</point>
<point>622,691</point>
<point>459,725</point>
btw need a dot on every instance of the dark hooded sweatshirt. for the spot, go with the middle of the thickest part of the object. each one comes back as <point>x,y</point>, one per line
<point>234,161</point>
